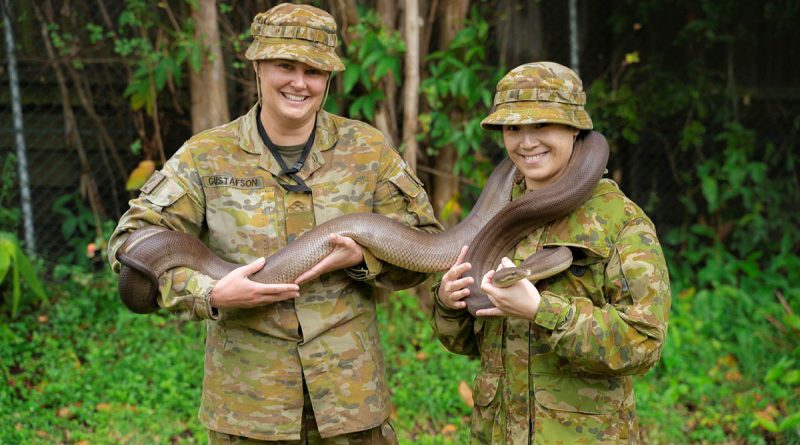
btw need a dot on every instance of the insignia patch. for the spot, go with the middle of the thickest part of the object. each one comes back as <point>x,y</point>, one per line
<point>155,179</point>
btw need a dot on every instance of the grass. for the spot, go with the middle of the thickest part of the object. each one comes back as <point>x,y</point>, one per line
<point>83,370</point>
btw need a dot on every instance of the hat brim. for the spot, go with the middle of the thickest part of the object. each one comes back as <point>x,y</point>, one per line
<point>537,112</point>
<point>313,54</point>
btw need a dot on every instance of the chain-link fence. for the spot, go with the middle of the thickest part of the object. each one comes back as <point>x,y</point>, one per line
<point>78,126</point>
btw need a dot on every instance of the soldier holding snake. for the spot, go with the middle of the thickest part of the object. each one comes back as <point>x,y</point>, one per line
<point>285,363</point>
<point>557,356</point>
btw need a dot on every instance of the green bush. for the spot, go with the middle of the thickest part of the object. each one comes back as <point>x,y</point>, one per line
<point>13,260</point>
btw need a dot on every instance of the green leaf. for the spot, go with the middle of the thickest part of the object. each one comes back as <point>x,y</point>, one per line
<point>5,258</point>
<point>382,67</point>
<point>162,72</point>
<point>16,294</point>
<point>768,425</point>
<point>710,192</point>
<point>195,57</point>
<point>350,79</point>
<point>790,422</point>
<point>28,273</point>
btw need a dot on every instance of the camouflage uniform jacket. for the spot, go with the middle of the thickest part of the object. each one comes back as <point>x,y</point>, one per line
<point>221,187</point>
<point>564,378</point>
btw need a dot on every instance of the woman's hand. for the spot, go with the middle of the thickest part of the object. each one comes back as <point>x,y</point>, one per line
<point>520,300</point>
<point>346,253</point>
<point>236,290</point>
<point>453,288</point>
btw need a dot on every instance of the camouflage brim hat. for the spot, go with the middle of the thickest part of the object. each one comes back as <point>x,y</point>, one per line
<point>295,32</point>
<point>537,93</point>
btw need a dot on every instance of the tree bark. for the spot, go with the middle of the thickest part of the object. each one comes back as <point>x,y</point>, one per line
<point>521,33</point>
<point>208,88</point>
<point>386,114</point>
<point>411,83</point>
<point>445,188</point>
<point>348,16</point>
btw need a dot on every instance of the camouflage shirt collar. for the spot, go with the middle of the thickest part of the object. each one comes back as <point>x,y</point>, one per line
<point>250,141</point>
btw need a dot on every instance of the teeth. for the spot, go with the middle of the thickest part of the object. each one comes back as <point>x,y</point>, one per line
<point>536,156</point>
<point>294,97</point>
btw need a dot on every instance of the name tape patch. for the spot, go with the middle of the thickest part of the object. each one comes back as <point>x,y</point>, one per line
<point>230,181</point>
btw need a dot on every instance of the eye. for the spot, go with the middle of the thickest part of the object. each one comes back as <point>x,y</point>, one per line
<point>511,127</point>
<point>314,72</point>
<point>539,126</point>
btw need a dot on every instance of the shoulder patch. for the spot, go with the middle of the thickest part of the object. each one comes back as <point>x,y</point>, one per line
<point>154,181</point>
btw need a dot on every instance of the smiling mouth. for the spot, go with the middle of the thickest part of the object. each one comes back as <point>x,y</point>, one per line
<point>533,157</point>
<point>294,97</point>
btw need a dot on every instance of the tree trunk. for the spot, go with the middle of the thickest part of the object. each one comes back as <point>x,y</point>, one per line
<point>521,33</point>
<point>347,14</point>
<point>411,83</point>
<point>445,188</point>
<point>208,88</point>
<point>386,114</point>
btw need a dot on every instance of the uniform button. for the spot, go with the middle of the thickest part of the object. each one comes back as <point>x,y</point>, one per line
<point>578,271</point>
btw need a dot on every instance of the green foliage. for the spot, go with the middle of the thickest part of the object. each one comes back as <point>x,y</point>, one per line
<point>423,376</point>
<point>729,370</point>
<point>86,369</point>
<point>9,209</point>
<point>13,259</point>
<point>374,53</point>
<point>155,59</point>
<point>461,81</point>
<point>78,230</point>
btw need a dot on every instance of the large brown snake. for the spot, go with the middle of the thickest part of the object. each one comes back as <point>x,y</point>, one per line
<point>492,228</point>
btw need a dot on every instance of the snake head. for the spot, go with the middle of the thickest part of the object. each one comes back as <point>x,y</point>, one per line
<point>510,275</point>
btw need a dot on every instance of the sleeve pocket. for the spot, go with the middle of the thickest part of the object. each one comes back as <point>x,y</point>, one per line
<point>407,185</point>
<point>166,193</point>
<point>576,394</point>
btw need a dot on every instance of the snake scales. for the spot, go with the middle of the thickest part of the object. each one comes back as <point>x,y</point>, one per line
<point>492,228</point>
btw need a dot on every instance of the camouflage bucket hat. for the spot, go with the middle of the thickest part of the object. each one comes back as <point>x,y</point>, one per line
<point>295,32</point>
<point>536,93</point>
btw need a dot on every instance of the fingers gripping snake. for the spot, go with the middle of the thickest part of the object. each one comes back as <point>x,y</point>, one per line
<point>492,228</point>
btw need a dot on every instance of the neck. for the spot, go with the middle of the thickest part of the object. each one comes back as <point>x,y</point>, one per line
<point>286,133</point>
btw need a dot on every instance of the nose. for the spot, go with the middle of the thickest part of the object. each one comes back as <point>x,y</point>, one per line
<point>529,139</point>
<point>298,79</point>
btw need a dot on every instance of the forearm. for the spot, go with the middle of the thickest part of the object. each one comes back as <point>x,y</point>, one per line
<point>454,328</point>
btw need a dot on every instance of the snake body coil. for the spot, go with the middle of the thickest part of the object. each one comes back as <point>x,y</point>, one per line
<point>493,227</point>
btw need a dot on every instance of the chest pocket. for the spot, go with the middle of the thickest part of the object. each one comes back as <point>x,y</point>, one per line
<point>341,196</point>
<point>241,222</point>
<point>585,277</point>
<point>580,395</point>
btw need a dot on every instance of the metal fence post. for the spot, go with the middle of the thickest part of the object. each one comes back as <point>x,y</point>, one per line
<point>19,131</point>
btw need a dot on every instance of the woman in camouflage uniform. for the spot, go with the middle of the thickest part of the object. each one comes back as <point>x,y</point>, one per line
<point>286,363</point>
<point>557,358</point>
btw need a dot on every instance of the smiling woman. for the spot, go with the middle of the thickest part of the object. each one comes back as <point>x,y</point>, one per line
<point>291,93</point>
<point>557,355</point>
<point>301,362</point>
<point>540,151</point>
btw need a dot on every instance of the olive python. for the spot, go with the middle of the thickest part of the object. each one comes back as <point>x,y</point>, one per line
<point>491,230</point>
